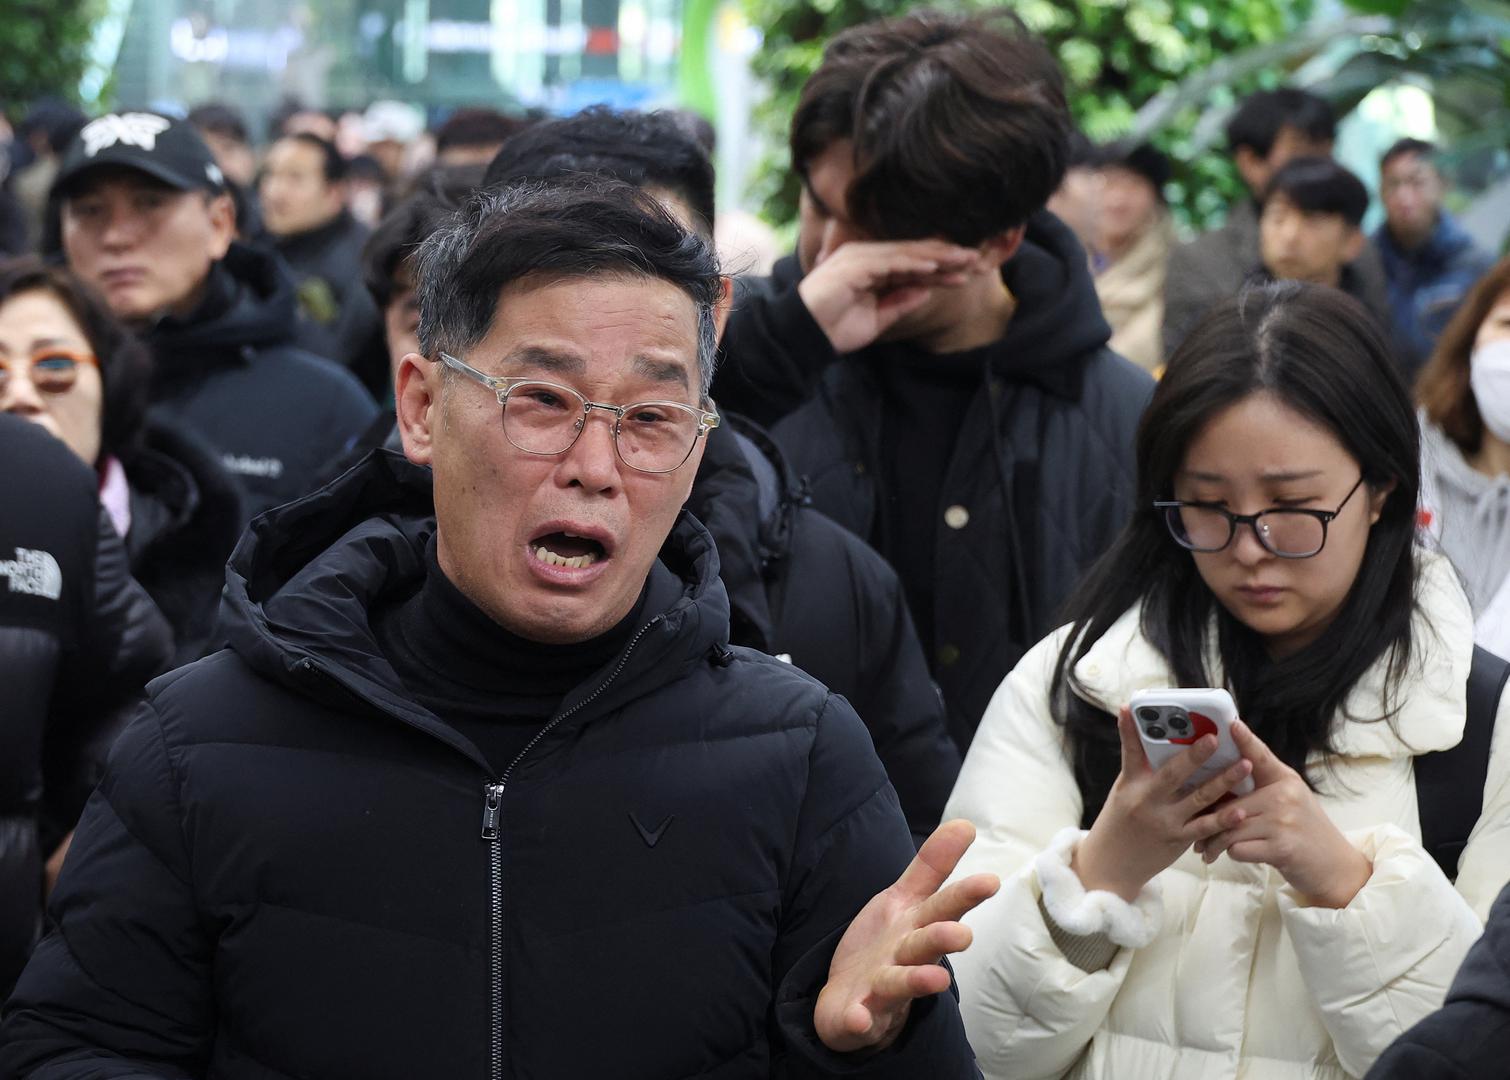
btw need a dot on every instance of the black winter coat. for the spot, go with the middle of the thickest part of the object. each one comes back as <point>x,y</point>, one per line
<point>1469,1037</point>
<point>231,373</point>
<point>337,315</point>
<point>78,640</point>
<point>292,870</point>
<point>185,518</point>
<point>806,589</point>
<point>1042,466</point>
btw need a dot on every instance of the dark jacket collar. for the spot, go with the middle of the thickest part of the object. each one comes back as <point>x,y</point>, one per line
<point>302,582</point>
<point>248,304</point>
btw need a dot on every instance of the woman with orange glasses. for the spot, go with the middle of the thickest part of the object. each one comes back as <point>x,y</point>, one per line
<point>69,367</point>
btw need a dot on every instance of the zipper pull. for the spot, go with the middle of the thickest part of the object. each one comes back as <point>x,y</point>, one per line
<point>492,798</point>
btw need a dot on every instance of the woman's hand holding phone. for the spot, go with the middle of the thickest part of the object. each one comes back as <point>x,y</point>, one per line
<point>1147,822</point>
<point>1282,823</point>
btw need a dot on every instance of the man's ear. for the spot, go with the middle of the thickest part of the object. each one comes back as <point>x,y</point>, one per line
<point>1352,244</point>
<point>995,252</point>
<point>416,399</point>
<point>1253,169</point>
<point>724,306</point>
<point>222,213</point>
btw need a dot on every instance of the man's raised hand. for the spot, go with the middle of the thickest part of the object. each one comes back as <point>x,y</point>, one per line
<point>890,954</point>
<point>861,290</point>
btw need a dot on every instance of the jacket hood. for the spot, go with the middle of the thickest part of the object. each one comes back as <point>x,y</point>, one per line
<point>249,304</point>
<point>303,581</point>
<point>1432,708</point>
<point>743,493</point>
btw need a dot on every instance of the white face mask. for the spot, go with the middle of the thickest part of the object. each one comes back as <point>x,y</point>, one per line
<point>1489,375</point>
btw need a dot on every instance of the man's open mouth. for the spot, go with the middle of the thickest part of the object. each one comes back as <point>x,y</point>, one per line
<point>568,550</point>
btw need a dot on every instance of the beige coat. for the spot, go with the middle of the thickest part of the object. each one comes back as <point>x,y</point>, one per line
<point>1132,296</point>
<point>1240,980</point>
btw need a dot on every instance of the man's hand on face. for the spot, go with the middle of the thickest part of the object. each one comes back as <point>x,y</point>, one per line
<point>890,954</point>
<point>864,287</point>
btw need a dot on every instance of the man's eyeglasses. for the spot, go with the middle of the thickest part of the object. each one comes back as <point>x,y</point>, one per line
<point>53,371</point>
<point>1288,533</point>
<point>546,418</point>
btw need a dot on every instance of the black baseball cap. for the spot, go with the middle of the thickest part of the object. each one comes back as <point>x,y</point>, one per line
<point>165,149</point>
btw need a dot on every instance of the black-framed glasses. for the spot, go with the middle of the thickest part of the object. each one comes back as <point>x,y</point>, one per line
<point>546,418</point>
<point>1289,533</point>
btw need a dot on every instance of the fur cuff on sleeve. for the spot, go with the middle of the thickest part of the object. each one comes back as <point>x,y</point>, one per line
<point>1096,912</point>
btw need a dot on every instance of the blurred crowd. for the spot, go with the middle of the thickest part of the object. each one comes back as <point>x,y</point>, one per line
<point>994,448</point>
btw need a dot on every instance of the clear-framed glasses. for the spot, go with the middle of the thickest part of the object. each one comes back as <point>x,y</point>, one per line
<point>52,371</point>
<point>546,418</point>
<point>1286,532</point>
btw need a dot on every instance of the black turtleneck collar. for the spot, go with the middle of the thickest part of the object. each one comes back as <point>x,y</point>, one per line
<point>492,685</point>
<point>317,239</point>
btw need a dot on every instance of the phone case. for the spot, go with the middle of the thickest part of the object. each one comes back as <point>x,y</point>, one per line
<point>1170,720</point>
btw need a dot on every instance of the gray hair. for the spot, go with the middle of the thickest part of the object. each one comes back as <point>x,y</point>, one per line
<point>584,227</point>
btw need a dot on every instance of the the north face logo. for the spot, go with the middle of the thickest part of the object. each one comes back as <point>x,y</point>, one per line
<point>133,129</point>
<point>34,573</point>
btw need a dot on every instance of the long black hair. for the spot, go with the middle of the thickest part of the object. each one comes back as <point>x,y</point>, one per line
<point>1319,352</point>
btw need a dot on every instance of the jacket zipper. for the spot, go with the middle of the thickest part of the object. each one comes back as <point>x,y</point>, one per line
<point>492,815</point>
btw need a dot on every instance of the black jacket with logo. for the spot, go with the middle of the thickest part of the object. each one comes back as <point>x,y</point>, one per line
<point>805,588</point>
<point>78,640</point>
<point>292,870</point>
<point>1039,478</point>
<point>230,372</point>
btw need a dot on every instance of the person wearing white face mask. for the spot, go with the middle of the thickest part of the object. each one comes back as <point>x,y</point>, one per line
<point>1464,394</point>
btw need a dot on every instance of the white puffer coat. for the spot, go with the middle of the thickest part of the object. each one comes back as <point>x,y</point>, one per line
<point>1240,979</point>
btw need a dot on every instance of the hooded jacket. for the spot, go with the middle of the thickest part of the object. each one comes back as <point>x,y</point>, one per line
<point>293,870</point>
<point>807,590</point>
<point>78,639</point>
<point>1039,479</point>
<point>1427,285</point>
<point>185,518</point>
<point>230,372</point>
<point>1469,1037</point>
<point>1224,971</point>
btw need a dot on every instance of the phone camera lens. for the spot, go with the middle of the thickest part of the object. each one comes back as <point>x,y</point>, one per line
<point>1179,723</point>
<point>1155,731</point>
<point>1148,715</point>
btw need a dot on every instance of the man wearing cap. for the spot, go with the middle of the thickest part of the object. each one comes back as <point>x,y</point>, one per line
<point>145,218</point>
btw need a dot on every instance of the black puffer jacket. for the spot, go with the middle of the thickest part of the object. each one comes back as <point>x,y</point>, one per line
<point>1041,473</point>
<point>231,373</point>
<point>78,640</point>
<point>292,870</point>
<point>185,518</point>
<point>1469,1037</point>
<point>806,589</point>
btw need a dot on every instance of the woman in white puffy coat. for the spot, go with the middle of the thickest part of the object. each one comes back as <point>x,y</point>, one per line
<point>1146,932</point>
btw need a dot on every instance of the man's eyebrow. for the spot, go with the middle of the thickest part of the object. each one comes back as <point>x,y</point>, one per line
<point>547,359</point>
<point>668,371</point>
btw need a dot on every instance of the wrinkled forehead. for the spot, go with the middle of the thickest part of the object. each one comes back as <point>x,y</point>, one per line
<point>596,325</point>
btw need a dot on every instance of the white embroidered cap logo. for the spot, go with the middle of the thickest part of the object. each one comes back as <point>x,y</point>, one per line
<point>35,573</point>
<point>133,129</point>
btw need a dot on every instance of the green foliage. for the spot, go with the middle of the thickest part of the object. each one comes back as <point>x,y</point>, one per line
<point>44,49</point>
<point>1116,55</point>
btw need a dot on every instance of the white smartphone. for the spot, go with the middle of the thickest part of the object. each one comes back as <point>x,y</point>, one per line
<point>1169,721</point>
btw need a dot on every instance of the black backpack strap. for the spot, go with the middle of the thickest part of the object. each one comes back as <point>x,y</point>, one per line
<point>1450,783</point>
